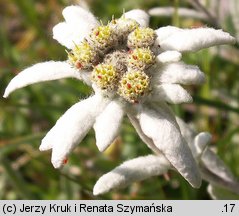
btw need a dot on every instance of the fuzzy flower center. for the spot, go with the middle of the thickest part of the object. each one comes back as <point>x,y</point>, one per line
<point>105,76</point>
<point>134,85</point>
<point>83,56</point>
<point>141,37</point>
<point>140,58</point>
<point>118,55</point>
<point>102,37</point>
<point>123,26</point>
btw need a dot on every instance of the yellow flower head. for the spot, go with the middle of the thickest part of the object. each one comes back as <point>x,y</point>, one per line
<point>82,56</point>
<point>140,58</point>
<point>133,86</point>
<point>102,37</point>
<point>141,37</point>
<point>105,76</point>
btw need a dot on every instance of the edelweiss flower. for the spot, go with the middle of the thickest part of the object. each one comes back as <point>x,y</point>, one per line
<point>133,70</point>
<point>211,167</point>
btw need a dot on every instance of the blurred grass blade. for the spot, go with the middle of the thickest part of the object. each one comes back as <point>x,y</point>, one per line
<point>16,179</point>
<point>215,104</point>
<point>11,145</point>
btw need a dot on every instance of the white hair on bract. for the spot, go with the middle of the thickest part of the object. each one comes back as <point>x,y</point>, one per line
<point>78,24</point>
<point>195,39</point>
<point>80,119</point>
<point>41,72</point>
<point>109,120</point>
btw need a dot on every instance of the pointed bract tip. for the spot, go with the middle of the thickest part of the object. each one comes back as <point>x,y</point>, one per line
<point>202,140</point>
<point>101,149</point>
<point>197,184</point>
<point>45,146</point>
<point>96,192</point>
<point>42,148</point>
<point>99,188</point>
<point>5,95</point>
<point>233,40</point>
<point>57,164</point>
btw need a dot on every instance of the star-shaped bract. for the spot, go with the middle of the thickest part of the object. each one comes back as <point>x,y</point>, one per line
<point>134,71</point>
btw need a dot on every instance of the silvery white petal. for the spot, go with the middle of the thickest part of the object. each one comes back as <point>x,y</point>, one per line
<point>48,140</point>
<point>39,73</point>
<point>218,193</point>
<point>200,142</point>
<point>66,34</point>
<point>197,142</point>
<point>165,32</point>
<point>195,39</point>
<point>135,122</point>
<point>232,186</point>
<point>72,127</point>
<point>160,125</point>
<point>216,172</point>
<point>107,125</point>
<point>168,56</point>
<point>78,25</point>
<point>216,167</point>
<point>171,93</point>
<point>212,168</point>
<point>212,192</point>
<point>78,15</point>
<point>138,15</point>
<point>133,170</point>
<point>182,12</point>
<point>181,73</point>
<point>187,132</point>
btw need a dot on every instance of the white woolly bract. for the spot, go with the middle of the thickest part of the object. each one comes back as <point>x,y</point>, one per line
<point>162,128</point>
<point>78,25</point>
<point>138,15</point>
<point>165,32</point>
<point>133,170</point>
<point>66,34</point>
<point>169,56</point>
<point>213,192</point>
<point>149,142</point>
<point>184,40</point>
<point>128,172</point>
<point>216,179</point>
<point>39,73</point>
<point>196,142</point>
<point>171,93</point>
<point>212,168</point>
<point>182,12</point>
<point>72,127</point>
<point>218,193</point>
<point>107,125</point>
<point>201,141</point>
<point>187,132</point>
<point>181,73</point>
<point>215,167</point>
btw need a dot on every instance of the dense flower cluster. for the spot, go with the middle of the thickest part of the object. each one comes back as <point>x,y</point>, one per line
<point>119,54</point>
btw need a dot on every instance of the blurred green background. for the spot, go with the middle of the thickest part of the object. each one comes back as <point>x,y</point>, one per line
<point>26,116</point>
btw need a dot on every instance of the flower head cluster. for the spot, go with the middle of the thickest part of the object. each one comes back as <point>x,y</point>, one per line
<point>122,72</point>
<point>134,71</point>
